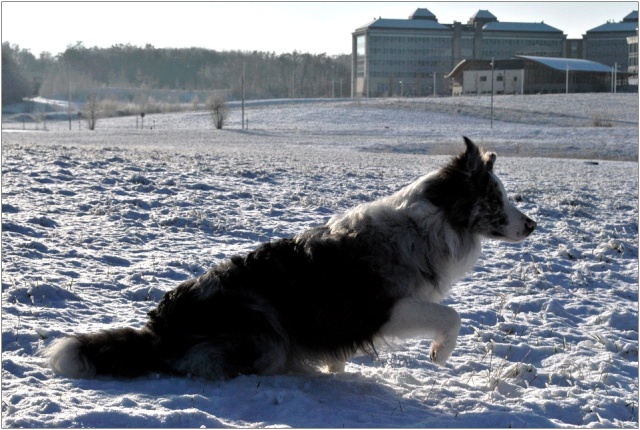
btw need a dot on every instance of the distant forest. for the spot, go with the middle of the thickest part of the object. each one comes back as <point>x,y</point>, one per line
<point>80,71</point>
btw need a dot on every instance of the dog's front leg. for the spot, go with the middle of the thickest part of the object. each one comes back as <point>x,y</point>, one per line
<point>415,318</point>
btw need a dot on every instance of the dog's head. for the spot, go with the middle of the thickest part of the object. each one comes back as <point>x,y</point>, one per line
<point>473,198</point>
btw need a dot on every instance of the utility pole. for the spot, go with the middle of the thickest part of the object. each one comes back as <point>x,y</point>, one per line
<point>293,86</point>
<point>566,81</point>
<point>434,84</point>
<point>333,83</point>
<point>69,104</point>
<point>243,64</point>
<point>492,67</point>
<point>614,72</point>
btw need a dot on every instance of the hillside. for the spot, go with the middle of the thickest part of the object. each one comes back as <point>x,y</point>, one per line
<point>96,226</point>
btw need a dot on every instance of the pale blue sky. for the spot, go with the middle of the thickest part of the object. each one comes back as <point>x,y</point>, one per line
<point>262,26</point>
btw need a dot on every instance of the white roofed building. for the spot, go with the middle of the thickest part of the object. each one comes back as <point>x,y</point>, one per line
<point>528,74</point>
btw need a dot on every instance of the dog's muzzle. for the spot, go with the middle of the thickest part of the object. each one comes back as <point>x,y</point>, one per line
<point>529,225</point>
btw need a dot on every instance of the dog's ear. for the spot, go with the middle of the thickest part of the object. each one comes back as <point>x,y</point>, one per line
<point>489,159</point>
<point>471,158</point>
<point>475,157</point>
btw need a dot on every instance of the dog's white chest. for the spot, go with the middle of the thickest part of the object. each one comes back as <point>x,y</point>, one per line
<point>451,270</point>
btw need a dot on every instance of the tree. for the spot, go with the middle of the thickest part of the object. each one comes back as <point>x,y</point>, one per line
<point>15,86</point>
<point>92,112</point>
<point>267,75</point>
<point>219,111</point>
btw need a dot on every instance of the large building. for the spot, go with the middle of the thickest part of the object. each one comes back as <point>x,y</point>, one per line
<point>410,57</point>
<point>401,56</point>
<point>607,43</point>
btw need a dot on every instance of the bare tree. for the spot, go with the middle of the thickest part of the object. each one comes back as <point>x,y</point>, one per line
<point>92,111</point>
<point>219,110</point>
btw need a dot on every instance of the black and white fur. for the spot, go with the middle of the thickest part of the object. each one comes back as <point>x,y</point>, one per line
<point>377,271</point>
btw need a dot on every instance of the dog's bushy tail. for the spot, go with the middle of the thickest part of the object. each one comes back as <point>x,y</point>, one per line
<point>120,352</point>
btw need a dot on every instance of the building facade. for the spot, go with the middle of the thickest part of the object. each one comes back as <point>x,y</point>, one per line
<point>632,42</point>
<point>607,43</point>
<point>574,48</point>
<point>410,57</point>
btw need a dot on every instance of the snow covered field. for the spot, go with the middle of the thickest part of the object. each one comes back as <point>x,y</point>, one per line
<point>96,226</point>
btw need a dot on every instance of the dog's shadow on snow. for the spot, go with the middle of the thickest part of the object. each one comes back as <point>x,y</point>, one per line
<point>310,400</point>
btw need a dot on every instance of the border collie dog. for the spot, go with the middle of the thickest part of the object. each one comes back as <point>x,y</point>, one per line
<point>376,271</point>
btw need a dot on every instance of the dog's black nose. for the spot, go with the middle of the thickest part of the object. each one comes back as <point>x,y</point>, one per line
<point>530,225</point>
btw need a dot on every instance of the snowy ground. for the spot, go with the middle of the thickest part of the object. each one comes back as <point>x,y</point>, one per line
<point>96,226</point>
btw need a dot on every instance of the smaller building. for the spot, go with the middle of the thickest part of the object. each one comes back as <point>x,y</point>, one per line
<point>525,74</point>
<point>475,76</point>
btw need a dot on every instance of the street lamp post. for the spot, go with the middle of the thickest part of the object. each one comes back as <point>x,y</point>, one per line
<point>492,67</point>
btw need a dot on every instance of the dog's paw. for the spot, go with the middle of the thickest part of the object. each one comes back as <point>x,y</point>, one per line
<point>440,352</point>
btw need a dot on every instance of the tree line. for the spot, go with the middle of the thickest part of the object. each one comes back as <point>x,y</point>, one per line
<point>80,70</point>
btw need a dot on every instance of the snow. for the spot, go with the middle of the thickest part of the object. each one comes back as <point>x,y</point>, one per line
<point>96,226</point>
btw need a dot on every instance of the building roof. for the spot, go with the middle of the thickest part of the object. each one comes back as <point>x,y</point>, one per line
<point>464,65</point>
<point>423,13</point>
<point>538,27</point>
<point>481,17</point>
<point>572,64</point>
<point>517,62</point>
<point>483,14</point>
<point>628,24</point>
<point>405,24</point>
<point>615,27</point>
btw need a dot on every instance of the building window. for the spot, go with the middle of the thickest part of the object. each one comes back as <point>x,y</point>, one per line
<point>360,56</point>
<point>360,46</point>
<point>483,79</point>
